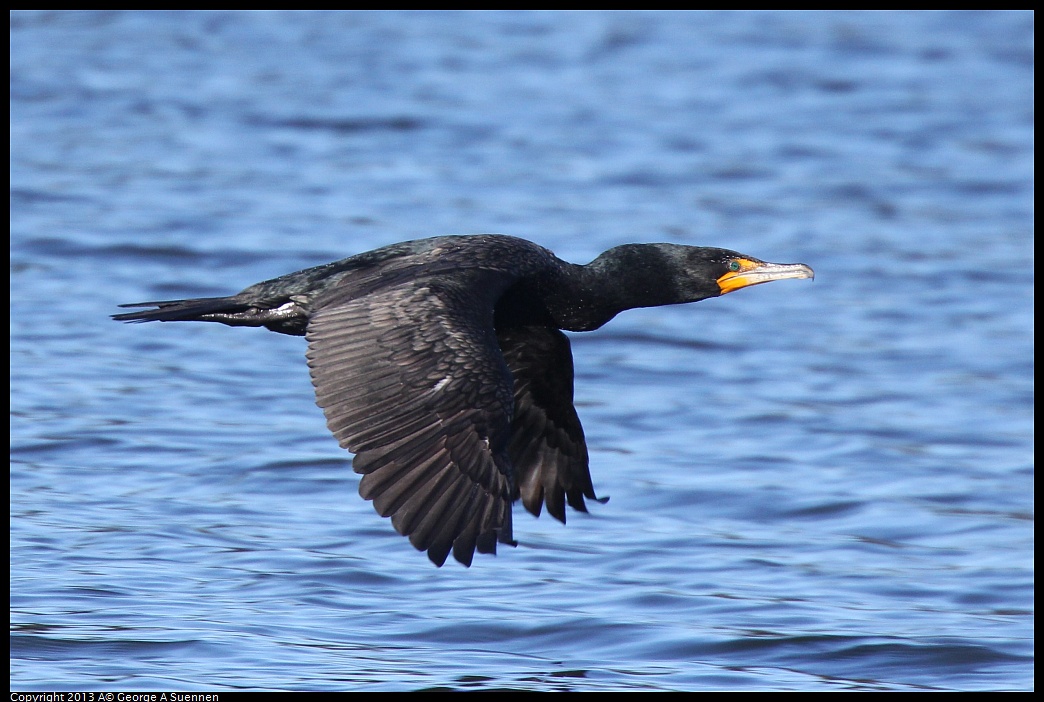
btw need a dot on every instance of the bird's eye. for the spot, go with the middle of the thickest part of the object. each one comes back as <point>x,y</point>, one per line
<point>734,266</point>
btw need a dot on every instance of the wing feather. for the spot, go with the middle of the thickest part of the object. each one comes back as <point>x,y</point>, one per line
<point>547,448</point>
<point>412,381</point>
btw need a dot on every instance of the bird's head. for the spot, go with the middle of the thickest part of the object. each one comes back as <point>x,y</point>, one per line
<point>649,275</point>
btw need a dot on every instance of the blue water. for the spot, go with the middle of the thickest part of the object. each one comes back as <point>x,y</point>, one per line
<point>817,485</point>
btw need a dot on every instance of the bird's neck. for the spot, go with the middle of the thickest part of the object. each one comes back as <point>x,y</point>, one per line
<point>623,278</point>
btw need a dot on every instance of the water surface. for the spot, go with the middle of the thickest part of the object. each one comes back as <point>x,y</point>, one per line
<point>815,485</point>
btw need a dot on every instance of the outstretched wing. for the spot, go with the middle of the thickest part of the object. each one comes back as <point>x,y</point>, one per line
<point>547,447</point>
<point>412,381</point>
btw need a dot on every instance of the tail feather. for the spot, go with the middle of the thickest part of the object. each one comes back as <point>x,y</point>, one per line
<point>195,310</point>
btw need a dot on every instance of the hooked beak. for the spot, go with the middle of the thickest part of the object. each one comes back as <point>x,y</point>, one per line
<point>758,272</point>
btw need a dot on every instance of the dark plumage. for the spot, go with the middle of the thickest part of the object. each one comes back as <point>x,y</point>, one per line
<point>441,364</point>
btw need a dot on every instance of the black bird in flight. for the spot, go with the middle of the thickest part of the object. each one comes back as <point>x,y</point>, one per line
<point>441,364</point>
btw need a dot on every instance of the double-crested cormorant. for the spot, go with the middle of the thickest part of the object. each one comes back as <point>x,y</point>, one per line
<point>441,364</point>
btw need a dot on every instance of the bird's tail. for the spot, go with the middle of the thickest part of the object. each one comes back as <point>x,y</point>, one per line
<point>202,309</point>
